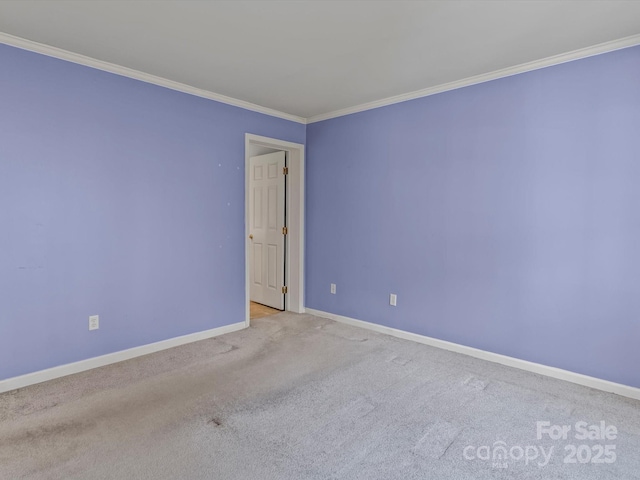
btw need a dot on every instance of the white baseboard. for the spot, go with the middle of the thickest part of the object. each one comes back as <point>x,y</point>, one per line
<point>95,362</point>
<point>585,380</point>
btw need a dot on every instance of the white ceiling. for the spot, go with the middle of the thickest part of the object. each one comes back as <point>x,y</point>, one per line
<point>308,58</point>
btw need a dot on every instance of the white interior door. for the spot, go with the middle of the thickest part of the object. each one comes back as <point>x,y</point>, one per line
<point>266,228</point>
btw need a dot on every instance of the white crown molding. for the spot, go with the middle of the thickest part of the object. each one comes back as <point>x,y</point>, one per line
<point>22,381</point>
<point>578,378</point>
<point>61,54</point>
<point>485,77</point>
<point>181,87</point>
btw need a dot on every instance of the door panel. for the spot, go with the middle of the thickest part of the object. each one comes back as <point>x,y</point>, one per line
<point>257,207</point>
<point>267,192</point>
<point>272,268</point>
<point>257,264</point>
<point>272,207</point>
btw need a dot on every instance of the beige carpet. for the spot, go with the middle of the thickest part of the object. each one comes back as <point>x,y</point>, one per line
<point>298,397</point>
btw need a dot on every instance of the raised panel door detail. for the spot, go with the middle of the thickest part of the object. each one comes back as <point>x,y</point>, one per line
<point>272,266</point>
<point>272,207</point>
<point>266,205</point>
<point>257,207</point>
<point>257,264</point>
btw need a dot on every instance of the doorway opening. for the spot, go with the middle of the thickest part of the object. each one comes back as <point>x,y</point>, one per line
<point>290,239</point>
<point>267,229</point>
<point>257,310</point>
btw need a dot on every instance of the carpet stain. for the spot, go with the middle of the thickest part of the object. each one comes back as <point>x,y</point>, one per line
<point>436,441</point>
<point>313,405</point>
<point>216,422</point>
<point>48,433</point>
<point>354,411</point>
<point>475,383</point>
<point>399,359</point>
<point>353,338</point>
<point>226,349</point>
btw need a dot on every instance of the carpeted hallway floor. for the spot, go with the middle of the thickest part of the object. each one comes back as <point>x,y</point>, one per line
<point>298,397</point>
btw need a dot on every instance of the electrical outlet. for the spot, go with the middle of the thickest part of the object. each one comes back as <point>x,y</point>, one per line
<point>393,299</point>
<point>94,322</point>
<point>333,288</point>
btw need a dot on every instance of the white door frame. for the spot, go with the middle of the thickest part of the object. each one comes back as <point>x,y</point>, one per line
<point>294,300</point>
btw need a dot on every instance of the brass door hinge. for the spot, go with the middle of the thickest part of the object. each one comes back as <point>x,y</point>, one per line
<point>284,289</point>
<point>285,230</point>
<point>285,170</point>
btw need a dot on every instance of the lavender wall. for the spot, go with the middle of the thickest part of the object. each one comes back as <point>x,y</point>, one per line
<point>117,198</point>
<point>506,216</point>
